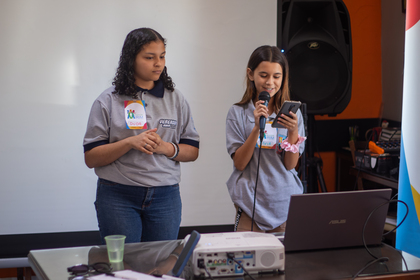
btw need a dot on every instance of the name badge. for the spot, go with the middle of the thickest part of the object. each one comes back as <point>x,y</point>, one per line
<point>135,114</point>
<point>281,135</point>
<point>270,137</point>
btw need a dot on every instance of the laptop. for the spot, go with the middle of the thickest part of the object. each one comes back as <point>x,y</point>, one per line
<point>335,219</point>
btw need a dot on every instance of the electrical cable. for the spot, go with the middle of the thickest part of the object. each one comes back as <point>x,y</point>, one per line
<point>367,131</point>
<point>405,216</point>
<point>405,263</point>
<point>240,265</point>
<point>402,257</point>
<point>208,272</point>
<point>383,259</point>
<point>371,213</point>
<point>392,135</point>
<point>203,266</point>
<point>256,182</point>
<point>265,96</point>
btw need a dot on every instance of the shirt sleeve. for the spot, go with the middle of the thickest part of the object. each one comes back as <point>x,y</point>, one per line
<point>97,131</point>
<point>301,130</point>
<point>235,130</point>
<point>189,134</point>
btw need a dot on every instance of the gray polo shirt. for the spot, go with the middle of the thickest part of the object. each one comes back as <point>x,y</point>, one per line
<point>167,111</point>
<point>275,183</point>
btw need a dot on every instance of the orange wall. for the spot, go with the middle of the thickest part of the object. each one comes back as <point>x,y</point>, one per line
<point>366,96</point>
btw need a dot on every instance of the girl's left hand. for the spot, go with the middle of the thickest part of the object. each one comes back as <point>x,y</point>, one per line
<point>162,147</point>
<point>290,123</point>
<point>158,143</point>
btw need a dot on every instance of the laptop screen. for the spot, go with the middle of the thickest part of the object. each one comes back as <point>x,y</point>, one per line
<point>335,219</point>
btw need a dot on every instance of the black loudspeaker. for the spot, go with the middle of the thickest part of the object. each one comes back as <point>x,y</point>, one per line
<point>316,37</point>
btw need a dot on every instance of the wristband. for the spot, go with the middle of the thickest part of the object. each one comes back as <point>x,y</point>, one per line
<point>294,148</point>
<point>173,144</point>
<point>176,150</point>
<point>174,254</point>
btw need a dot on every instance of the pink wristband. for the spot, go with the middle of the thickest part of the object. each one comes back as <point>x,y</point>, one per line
<point>292,148</point>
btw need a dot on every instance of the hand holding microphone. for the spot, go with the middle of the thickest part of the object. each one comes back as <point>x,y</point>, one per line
<point>265,96</point>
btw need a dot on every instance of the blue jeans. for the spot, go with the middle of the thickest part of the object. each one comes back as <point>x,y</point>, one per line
<point>139,213</point>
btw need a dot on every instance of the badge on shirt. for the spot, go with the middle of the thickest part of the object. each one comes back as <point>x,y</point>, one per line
<point>135,114</point>
<point>270,137</point>
<point>281,137</point>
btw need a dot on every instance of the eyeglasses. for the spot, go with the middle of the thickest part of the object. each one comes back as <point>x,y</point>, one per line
<point>96,268</point>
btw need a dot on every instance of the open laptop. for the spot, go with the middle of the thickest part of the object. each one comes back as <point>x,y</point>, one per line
<point>335,219</point>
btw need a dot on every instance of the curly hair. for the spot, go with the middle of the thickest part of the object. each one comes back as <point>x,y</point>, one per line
<point>124,80</point>
<point>270,54</point>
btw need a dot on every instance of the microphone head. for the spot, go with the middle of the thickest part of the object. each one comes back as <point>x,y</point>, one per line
<point>264,96</point>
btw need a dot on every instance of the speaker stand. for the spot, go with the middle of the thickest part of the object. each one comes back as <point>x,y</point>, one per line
<point>314,164</point>
<point>315,175</point>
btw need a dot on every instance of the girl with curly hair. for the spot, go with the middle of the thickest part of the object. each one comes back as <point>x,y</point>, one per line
<point>138,132</point>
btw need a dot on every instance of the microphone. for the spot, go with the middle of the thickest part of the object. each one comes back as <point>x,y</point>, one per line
<point>266,97</point>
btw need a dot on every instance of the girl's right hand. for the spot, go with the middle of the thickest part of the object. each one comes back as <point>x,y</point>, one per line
<point>145,140</point>
<point>260,110</point>
<point>105,154</point>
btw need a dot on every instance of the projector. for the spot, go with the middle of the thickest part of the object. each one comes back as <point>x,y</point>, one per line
<point>230,253</point>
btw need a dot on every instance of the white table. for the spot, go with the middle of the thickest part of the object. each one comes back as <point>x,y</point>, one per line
<point>52,263</point>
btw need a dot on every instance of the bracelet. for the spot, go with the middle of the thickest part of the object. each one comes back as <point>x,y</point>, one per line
<point>176,147</point>
<point>294,148</point>
<point>173,144</point>
<point>175,255</point>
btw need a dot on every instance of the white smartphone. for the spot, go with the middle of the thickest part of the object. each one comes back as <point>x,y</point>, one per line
<point>285,109</point>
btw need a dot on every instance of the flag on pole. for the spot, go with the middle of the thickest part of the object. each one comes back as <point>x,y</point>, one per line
<point>408,234</point>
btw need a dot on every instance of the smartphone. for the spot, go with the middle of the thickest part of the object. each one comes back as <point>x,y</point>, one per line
<point>186,253</point>
<point>285,109</point>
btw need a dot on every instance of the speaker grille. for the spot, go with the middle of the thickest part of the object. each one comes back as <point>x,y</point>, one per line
<point>316,36</point>
<point>319,76</point>
<point>267,259</point>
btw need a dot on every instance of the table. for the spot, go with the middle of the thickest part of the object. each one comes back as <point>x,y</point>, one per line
<point>388,181</point>
<point>320,264</point>
<point>142,257</point>
<point>21,264</point>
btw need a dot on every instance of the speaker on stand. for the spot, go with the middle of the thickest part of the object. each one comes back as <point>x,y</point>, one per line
<point>316,38</point>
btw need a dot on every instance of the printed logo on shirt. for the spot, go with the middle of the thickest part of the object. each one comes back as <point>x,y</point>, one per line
<point>135,114</point>
<point>167,123</point>
<point>270,137</point>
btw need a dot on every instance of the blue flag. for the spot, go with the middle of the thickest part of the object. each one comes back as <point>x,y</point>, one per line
<point>408,235</point>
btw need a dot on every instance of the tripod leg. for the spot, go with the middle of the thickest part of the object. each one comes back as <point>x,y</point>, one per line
<point>320,177</point>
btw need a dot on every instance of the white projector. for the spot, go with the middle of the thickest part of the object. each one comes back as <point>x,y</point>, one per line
<point>229,253</point>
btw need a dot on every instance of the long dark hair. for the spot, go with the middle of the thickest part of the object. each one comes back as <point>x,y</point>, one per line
<point>124,80</point>
<point>270,54</point>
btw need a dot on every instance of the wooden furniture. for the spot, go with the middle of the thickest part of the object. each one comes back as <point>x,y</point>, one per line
<point>387,181</point>
<point>20,265</point>
<point>352,145</point>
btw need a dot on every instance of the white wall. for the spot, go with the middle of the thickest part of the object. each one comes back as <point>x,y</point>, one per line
<point>56,57</point>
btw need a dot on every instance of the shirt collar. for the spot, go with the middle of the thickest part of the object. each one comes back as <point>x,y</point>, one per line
<point>156,91</point>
